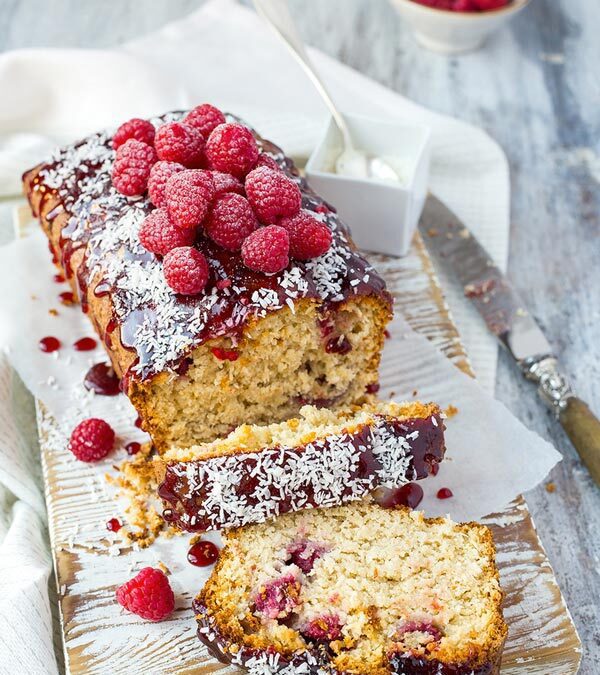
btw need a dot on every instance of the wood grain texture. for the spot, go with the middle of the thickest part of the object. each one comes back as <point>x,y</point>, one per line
<point>535,88</point>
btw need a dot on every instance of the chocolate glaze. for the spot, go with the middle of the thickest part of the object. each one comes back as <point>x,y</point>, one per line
<point>188,488</point>
<point>80,176</point>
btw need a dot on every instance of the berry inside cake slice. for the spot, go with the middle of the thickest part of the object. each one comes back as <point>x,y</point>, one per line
<point>322,458</point>
<point>356,589</point>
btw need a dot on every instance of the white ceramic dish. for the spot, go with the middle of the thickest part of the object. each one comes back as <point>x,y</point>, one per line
<point>454,32</point>
<point>382,215</point>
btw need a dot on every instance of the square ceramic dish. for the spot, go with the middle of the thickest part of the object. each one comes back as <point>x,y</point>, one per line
<point>382,215</point>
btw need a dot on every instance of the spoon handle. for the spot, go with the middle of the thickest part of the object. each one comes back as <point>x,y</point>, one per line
<point>277,14</point>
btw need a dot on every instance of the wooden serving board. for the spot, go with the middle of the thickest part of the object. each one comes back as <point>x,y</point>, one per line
<point>100,638</point>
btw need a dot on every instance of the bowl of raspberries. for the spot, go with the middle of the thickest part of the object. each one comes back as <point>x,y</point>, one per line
<point>455,26</point>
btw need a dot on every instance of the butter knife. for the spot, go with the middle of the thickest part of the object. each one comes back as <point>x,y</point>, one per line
<point>507,318</point>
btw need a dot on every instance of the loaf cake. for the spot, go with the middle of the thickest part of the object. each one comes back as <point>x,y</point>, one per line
<point>252,348</point>
<point>321,458</point>
<point>355,589</point>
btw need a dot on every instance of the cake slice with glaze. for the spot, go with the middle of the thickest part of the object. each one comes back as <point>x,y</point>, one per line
<point>357,589</point>
<point>322,458</point>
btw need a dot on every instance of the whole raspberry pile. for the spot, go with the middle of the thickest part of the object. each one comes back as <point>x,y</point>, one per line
<point>148,594</point>
<point>465,5</point>
<point>92,440</point>
<point>208,178</point>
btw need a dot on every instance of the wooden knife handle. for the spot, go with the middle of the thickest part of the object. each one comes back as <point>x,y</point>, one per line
<point>583,428</point>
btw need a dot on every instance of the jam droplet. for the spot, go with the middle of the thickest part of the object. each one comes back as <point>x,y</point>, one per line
<point>138,422</point>
<point>49,344</point>
<point>67,298</point>
<point>114,525</point>
<point>372,388</point>
<point>338,345</point>
<point>85,344</point>
<point>203,553</point>
<point>444,493</point>
<point>225,354</point>
<point>59,278</point>
<point>409,495</point>
<point>132,448</point>
<point>102,380</point>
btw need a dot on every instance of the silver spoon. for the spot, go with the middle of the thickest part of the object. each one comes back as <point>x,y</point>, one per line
<point>351,161</point>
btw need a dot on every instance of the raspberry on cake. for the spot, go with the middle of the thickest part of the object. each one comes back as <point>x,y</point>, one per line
<point>230,221</point>
<point>309,237</point>
<point>177,142</point>
<point>205,118</point>
<point>186,270</point>
<point>287,329</point>
<point>321,458</point>
<point>188,195</point>
<point>159,235</point>
<point>157,181</point>
<point>141,130</point>
<point>273,195</point>
<point>266,250</point>
<point>391,592</point>
<point>232,148</point>
<point>133,163</point>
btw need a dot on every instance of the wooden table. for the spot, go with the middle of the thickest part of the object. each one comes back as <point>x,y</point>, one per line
<point>536,89</point>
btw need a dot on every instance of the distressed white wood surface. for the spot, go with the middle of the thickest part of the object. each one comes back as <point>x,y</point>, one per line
<point>535,88</point>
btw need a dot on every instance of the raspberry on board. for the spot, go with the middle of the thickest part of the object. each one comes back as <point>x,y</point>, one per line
<point>148,594</point>
<point>177,142</point>
<point>141,130</point>
<point>157,181</point>
<point>267,249</point>
<point>188,195</point>
<point>231,148</point>
<point>225,182</point>
<point>158,234</point>
<point>272,194</point>
<point>186,270</point>
<point>205,118</point>
<point>92,440</point>
<point>309,237</point>
<point>131,168</point>
<point>230,221</point>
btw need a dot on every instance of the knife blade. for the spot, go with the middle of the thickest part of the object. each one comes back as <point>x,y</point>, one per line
<point>506,316</point>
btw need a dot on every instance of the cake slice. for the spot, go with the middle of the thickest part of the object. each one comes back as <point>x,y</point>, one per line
<point>321,458</point>
<point>252,347</point>
<point>357,589</point>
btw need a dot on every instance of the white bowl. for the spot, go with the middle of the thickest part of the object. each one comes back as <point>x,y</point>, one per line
<point>454,32</point>
<point>382,215</point>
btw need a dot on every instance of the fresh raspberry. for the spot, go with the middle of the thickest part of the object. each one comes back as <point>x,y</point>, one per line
<point>141,130</point>
<point>176,142</point>
<point>305,553</point>
<point>324,628</point>
<point>188,195</point>
<point>309,237</point>
<point>231,148</point>
<point>230,221</point>
<point>159,175</point>
<point>132,166</point>
<point>225,182</point>
<point>159,235</point>
<point>205,118</point>
<point>268,161</point>
<point>92,440</point>
<point>278,598</point>
<point>148,594</point>
<point>185,270</point>
<point>266,249</point>
<point>272,194</point>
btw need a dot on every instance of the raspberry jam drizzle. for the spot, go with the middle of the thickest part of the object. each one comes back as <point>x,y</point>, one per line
<point>203,553</point>
<point>185,490</point>
<point>444,493</point>
<point>49,344</point>
<point>133,448</point>
<point>82,175</point>
<point>102,380</point>
<point>410,495</point>
<point>85,344</point>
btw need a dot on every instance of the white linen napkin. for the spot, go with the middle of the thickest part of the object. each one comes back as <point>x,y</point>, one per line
<point>222,54</point>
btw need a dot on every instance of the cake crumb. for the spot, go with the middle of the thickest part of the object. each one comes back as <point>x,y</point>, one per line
<point>451,411</point>
<point>53,312</point>
<point>550,487</point>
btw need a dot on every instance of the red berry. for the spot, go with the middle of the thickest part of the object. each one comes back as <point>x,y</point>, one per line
<point>230,221</point>
<point>157,181</point>
<point>186,270</point>
<point>92,440</point>
<point>225,182</point>
<point>268,161</point>
<point>132,166</point>
<point>309,237</point>
<point>141,130</point>
<point>266,249</point>
<point>188,196</point>
<point>272,194</point>
<point>176,142</point>
<point>148,594</point>
<point>231,148</point>
<point>205,118</point>
<point>159,235</point>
